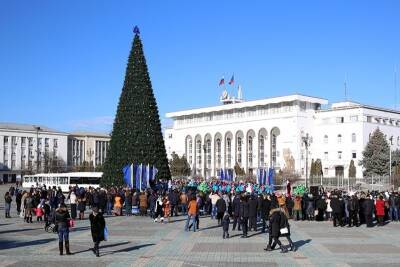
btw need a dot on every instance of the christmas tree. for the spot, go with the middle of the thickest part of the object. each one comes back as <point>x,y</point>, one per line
<point>376,156</point>
<point>136,136</point>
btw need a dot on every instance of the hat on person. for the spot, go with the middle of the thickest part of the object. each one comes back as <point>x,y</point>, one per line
<point>95,209</point>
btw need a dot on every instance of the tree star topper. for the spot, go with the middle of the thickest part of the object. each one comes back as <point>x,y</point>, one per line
<point>136,30</point>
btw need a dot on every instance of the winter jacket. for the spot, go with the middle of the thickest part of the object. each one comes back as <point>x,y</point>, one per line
<point>97,225</point>
<point>275,222</point>
<point>236,206</point>
<point>252,207</point>
<point>225,222</point>
<point>244,209</point>
<point>221,205</point>
<point>336,206</point>
<point>380,207</point>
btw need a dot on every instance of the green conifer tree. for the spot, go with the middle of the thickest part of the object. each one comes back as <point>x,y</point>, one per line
<point>136,136</point>
<point>376,156</point>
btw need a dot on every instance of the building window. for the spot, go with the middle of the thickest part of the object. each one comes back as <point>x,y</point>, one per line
<point>46,142</point>
<point>13,164</point>
<point>23,141</point>
<point>228,152</point>
<point>239,150</point>
<point>325,139</point>
<point>170,136</point>
<point>353,155</point>
<point>326,171</point>
<point>339,119</point>
<point>208,151</point>
<point>190,151</point>
<point>261,151</point>
<point>369,118</point>
<point>353,137</point>
<point>326,155</point>
<point>354,118</point>
<point>339,154</point>
<point>6,163</point>
<point>198,153</point>
<point>250,151</point>
<point>273,149</point>
<point>30,141</point>
<point>22,164</point>
<point>218,150</point>
<point>339,138</point>
<point>14,140</point>
<point>5,140</point>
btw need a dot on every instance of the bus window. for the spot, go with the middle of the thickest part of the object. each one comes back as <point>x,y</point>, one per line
<point>91,180</point>
<point>75,180</point>
<point>40,179</point>
<point>35,179</point>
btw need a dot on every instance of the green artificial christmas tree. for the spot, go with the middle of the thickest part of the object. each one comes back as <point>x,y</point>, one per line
<point>376,156</point>
<point>136,136</point>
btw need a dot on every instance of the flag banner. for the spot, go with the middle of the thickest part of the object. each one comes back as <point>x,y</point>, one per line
<point>232,81</point>
<point>127,175</point>
<point>264,176</point>
<point>143,178</point>
<point>150,175</point>
<point>222,81</point>
<point>155,171</point>
<point>222,174</point>
<point>258,176</point>
<point>138,174</point>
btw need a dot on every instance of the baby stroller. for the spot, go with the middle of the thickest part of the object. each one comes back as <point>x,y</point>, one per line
<point>50,227</point>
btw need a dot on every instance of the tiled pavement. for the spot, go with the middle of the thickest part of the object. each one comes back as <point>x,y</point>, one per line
<point>137,241</point>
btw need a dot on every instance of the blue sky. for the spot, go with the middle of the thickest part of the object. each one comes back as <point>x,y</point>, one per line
<point>63,62</point>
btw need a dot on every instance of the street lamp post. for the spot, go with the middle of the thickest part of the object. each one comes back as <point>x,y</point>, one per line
<point>307,141</point>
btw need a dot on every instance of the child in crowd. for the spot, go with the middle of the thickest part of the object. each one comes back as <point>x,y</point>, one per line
<point>39,213</point>
<point>225,225</point>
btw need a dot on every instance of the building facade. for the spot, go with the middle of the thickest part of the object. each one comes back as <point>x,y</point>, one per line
<point>278,132</point>
<point>87,147</point>
<point>29,148</point>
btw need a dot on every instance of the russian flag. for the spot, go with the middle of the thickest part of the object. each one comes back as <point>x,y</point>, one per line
<point>222,81</point>
<point>232,81</point>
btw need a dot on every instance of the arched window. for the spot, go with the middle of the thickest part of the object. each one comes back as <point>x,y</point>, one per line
<point>261,144</point>
<point>325,139</point>
<point>198,153</point>
<point>190,151</point>
<point>250,151</point>
<point>218,152</point>
<point>228,152</point>
<point>273,149</point>
<point>239,150</point>
<point>398,141</point>
<point>208,152</point>
<point>353,138</point>
<point>339,138</point>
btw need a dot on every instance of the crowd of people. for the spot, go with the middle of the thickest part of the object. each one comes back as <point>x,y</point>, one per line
<point>243,206</point>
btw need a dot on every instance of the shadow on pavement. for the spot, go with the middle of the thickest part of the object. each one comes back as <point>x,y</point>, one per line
<point>17,230</point>
<point>7,244</point>
<point>301,243</point>
<point>105,246</point>
<point>127,249</point>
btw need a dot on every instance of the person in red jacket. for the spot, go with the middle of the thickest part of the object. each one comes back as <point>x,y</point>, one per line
<point>380,210</point>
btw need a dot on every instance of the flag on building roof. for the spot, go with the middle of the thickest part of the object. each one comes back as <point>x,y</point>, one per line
<point>232,81</point>
<point>222,81</point>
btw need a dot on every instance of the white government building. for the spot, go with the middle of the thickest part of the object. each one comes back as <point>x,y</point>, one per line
<point>272,132</point>
<point>22,144</point>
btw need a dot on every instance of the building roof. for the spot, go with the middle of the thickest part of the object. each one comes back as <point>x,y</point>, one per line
<point>92,134</point>
<point>28,128</point>
<point>352,105</point>
<point>252,103</point>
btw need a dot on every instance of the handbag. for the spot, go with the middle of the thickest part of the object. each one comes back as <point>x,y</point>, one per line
<point>71,223</point>
<point>105,233</point>
<point>284,231</point>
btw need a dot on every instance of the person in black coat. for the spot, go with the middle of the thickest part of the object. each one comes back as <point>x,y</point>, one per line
<point>275,229</point>
<point>337,211</point>
<point>221,208</point>
<point>368,208</point>
<point>265,207</point>
<point>173,200</point>
<point>61,218</point>
<point>244,214</point>
<point>253,203</point>
<point>225,225</point>
<point>353,209</point>
<point>321,207</point>
<point>236,212</point>
<point>97,225</point>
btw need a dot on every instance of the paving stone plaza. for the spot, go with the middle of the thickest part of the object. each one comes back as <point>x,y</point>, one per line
<point>138,241</point>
